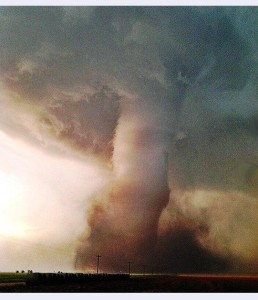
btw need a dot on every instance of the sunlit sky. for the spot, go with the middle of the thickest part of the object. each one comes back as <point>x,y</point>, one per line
<point>43,204</point>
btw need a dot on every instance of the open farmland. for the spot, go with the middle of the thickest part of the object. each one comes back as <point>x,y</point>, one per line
<point>148,283</point>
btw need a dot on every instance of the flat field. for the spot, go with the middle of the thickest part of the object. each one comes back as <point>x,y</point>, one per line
<point>12,277</point>
<point>148,284</point>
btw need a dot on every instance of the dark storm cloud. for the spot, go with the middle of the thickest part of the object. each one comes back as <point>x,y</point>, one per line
<point>93,119</point>
<point>180,251</point>
<point>130,84</point>
<point>45,60</point>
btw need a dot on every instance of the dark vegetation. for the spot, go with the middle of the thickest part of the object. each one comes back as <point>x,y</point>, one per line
<point>70,278</point>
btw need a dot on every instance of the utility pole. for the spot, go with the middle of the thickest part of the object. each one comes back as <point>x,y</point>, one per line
<point>144,269</point>
<point>152,269</point>
<point>98,257</point>
<point>129,267</point>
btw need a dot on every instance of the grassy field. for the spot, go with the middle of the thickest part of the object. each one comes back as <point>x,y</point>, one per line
<point>12,277</point>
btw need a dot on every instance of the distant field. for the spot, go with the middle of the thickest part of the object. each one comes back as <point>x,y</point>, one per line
<point>12,277</point>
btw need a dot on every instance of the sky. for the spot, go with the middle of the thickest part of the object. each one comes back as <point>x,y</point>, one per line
<point>129,132</point>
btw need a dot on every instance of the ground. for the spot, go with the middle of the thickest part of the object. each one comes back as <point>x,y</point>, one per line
<point>147,284</point>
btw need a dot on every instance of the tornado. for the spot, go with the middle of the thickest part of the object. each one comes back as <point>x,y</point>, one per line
<point>124,226</point>
<point>164,99</point>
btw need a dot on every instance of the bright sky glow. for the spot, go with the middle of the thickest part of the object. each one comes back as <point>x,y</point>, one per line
<point>42,198</point>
